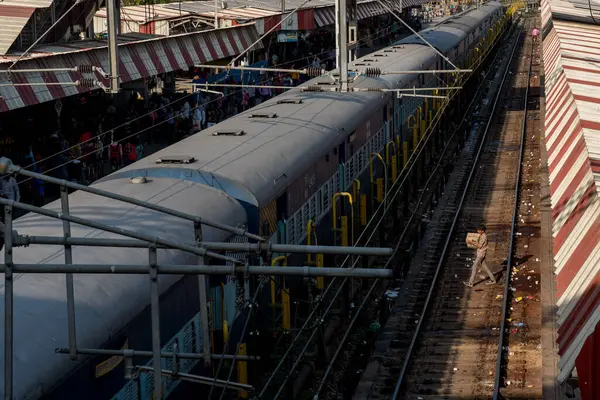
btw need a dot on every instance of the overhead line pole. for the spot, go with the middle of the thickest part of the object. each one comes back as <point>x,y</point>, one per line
<point>341,38</point>
<point>113,49</point>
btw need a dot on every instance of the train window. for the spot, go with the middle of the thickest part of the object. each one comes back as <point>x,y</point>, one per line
<point>326,157</point>
<point>422,79</point>
<point>335,151</point>
<point>194,330</point>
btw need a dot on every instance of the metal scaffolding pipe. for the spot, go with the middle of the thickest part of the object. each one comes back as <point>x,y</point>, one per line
<point>199,379</point>
<point>266,69</point>
<point>196,270</point>
<point>141,353</point>
<point>25,240</point>
<point>7,167</point>
<point>119,231</point>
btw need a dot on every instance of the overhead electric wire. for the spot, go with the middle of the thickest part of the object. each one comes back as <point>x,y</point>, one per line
<point>407,225</point>
<point>404,171</point>
<point>112,130</point>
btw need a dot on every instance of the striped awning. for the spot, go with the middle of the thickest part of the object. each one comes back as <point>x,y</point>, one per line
<point>571,55</point>
<point>137,60</point>
<point>326,15</point>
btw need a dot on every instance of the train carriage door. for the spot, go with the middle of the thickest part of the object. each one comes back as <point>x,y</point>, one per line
<point>282,209</point>
<point>341,150</point>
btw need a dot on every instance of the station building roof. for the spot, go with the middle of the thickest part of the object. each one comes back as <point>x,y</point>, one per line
<point>571,56</point>
<point>140,56</point>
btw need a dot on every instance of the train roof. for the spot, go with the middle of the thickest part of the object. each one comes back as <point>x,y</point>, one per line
<point>288,144</point>
<point>104,303</point>
<point>445,35</point>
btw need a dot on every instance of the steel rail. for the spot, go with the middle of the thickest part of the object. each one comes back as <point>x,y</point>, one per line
<point>407,359</point>
<point>407,225</point>
<point>505,304</point>
<point>400,181</point>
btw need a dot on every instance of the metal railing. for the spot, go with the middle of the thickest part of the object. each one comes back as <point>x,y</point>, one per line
<point>135,239</point>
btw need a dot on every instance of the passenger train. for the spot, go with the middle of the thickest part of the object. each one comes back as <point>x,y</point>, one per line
<point>271,169</point>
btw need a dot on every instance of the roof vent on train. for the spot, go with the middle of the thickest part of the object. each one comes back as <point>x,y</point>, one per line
<point>229,133</point>
<point>362,64</point>
<point>368,60</point>
<point>267,115</point>
<point>290,101</point>
<point>380,55</point>
<point>397,47</point>
<point>176,160</point>
<point>389,51</point>
<point>139,180</point>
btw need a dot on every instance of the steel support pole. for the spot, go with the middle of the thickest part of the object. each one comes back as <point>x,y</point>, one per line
<point>202,292</point>
<point>64,203</point>
<point>201,379</point>
<point>112,229</point>
<point>113,48</point>
<point>155,316</point>
<point>341,37</point>
<point>7,167</point>
<point>197,269</point>
<point>129,353</point>
<point>25,240</point>
<point>8,305</point>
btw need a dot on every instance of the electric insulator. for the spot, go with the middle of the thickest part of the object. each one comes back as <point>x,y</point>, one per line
<point>372,72</point>
<point>373,89</point>
<point>85,69</point>
<point>86,83</point>
<point>313,72</point>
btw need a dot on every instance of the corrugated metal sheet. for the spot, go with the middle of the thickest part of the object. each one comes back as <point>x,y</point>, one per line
<point>12,21</point>
<point>413,3</point>
<point>571,53</point>
<point>576,10</point>
<point>138,60</point>
<point>139,14</point>
<point>326,15</point>
<point>28,3</point>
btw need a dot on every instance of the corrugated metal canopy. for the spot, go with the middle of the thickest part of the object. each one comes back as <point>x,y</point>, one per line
<point>12,21</point>
<point>28,3</point>
<point>571,54</point>
<point>137,60</point>
<point>587,11</point>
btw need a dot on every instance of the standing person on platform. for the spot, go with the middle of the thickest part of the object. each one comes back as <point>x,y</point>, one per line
<point>481,245</point>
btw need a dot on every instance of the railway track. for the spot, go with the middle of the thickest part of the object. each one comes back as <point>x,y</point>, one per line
<point>445,340</point>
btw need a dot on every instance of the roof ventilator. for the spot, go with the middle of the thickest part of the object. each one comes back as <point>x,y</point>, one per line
<point>362,64</point>
<point>229,133</point>
<point>269,115</point>
<point>138,180</point>
<point>369,60</point>
<point>290,101</point>
<point>389,51</point>
<point>176,160</point>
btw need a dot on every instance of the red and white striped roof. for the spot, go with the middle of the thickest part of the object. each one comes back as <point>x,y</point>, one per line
<point>326,15</point>
<point>137,60</point>
<point>571,54</point>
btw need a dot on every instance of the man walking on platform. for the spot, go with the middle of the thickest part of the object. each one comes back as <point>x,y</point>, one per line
<point>481,245</point>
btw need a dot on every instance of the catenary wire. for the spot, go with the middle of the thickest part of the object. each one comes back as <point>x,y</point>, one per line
<point>112,130</point>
